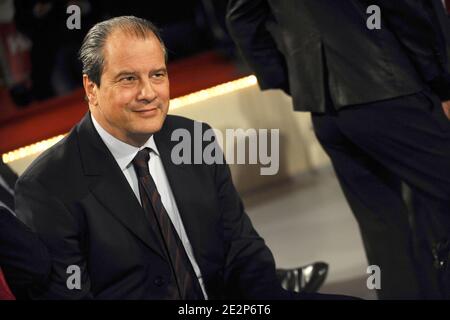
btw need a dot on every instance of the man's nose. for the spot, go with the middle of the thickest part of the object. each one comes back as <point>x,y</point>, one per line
<point>147,91</point>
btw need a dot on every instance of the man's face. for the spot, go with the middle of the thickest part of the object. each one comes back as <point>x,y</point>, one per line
<point>133,98</point>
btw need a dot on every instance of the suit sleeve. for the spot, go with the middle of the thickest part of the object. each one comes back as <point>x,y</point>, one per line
<point>247,22</point>
<point>416,25</point>
<point>23,257</point>
<point>249,272</point>
<point>61,233</point>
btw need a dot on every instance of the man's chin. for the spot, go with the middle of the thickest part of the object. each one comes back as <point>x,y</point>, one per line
<point>149,129</point>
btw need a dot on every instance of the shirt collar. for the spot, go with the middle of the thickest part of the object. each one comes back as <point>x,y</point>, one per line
<point>123,152</point>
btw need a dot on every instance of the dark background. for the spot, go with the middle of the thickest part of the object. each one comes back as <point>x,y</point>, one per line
<point>49,67</point>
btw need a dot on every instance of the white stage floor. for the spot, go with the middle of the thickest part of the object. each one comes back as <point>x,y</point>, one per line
<point>307,219</point>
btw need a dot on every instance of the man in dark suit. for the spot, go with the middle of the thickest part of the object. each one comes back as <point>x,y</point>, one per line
<point>379,104</point>
<point>24,260</point>
<point>7,180</point>
<point>120,219</point>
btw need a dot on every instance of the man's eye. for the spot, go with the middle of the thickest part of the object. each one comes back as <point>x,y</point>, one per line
<point>128,79</point>
<point>159,75</point>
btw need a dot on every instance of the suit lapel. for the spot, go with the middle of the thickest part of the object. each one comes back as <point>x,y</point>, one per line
<point>110,187</point>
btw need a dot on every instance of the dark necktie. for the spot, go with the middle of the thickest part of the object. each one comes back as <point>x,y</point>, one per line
<point>186,280</point>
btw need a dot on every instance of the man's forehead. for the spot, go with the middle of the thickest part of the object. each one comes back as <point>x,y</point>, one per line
<point>131,49</point>
<point>121,38</point>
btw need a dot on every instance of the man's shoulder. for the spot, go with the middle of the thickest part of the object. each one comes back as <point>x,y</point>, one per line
<point>174,122</point>
<point>55,163</point>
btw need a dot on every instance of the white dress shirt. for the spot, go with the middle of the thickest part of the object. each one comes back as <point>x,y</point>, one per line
<point>124,154</point>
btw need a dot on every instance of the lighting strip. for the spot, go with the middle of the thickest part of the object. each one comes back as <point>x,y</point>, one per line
<point>176,103</point>
<point>213,92</point>
<point>31,149</point>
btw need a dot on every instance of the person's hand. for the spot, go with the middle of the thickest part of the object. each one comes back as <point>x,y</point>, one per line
<point>446,107</point>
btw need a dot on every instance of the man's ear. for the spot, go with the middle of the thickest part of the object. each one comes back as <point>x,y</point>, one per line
<point>90,89</point>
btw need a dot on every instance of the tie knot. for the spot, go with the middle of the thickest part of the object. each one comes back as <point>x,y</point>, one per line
<point>140,162</point>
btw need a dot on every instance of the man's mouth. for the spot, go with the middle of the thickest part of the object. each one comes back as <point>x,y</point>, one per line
<point>147,111</point>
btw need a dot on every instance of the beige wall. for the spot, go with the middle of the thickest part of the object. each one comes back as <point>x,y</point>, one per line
<point>251,108</point>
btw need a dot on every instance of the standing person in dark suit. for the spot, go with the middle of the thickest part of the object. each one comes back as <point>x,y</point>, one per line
<point>379,104</point>
<point>109,201</point>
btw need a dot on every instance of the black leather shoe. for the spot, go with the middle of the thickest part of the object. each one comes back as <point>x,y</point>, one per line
<point>307,279</point>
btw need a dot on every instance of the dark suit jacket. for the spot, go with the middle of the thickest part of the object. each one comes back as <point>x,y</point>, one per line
<point>23,257</point>
<point>7,174</point>
<point>79,202</point>
<point>10,178</point>
<point>307,47</point>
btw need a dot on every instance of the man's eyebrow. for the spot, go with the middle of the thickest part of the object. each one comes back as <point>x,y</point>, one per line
<point>125,73</point>
<point>162,69</point>
<point>134,73</point>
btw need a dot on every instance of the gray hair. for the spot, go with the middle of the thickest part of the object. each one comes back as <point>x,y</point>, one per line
<point>91,51</point>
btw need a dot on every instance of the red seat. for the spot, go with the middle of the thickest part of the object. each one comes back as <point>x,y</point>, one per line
<point>5,292</point>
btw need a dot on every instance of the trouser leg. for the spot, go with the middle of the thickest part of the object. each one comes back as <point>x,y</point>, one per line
<point>410,137</point>
<point>374,196</point>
